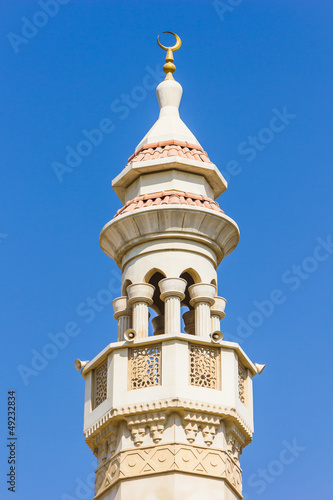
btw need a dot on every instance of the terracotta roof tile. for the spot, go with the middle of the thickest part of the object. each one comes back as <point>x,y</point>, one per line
<point>167,198</point>
<point>174,199</point>
<point>170,148</point>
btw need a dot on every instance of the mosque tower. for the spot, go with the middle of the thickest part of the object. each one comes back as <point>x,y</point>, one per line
<point>168,414</point>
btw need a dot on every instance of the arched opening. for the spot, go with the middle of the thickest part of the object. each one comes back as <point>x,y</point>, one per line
<point>156,321</point>
<point>126,284</point>
<point>187,311</point>
<point>213,282</point>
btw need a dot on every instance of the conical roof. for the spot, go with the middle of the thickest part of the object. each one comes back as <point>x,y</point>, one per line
<point>169,125</point>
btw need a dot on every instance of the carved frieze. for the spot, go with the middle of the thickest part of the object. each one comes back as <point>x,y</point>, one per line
<point>179,405</point>
<point>139,424</point>
<point>195,421</point>
<point>167,458</point>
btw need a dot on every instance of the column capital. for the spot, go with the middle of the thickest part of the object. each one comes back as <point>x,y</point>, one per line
<point>140,292</point>
<point>172,287</point>
<point>217,308</point>
<point>121,307</point>
<point>202,292</point>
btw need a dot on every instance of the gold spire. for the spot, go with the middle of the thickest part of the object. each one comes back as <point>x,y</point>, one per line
<point>169,66</point>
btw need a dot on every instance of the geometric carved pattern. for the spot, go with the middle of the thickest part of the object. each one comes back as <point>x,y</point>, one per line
<point>101,383</point>
<point>168,458</point>
<point>145,366</point>
<point>204,366</point>
<point>138,424</point>
<point>235,441</point>
<point>242,375</point>
<point>208,424</point>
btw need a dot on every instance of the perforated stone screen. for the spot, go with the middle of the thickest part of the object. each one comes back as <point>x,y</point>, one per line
<point>145,366</point>
<point>100,383</point>
<point>204,366</point>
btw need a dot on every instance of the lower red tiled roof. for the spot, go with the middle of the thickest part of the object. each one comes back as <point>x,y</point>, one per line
<point>170,148</point>
<point>169,198</point>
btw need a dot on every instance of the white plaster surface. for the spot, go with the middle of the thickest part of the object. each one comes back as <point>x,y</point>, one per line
<point>169,124</point>
<point>172,486</point>
<point>134,170</point>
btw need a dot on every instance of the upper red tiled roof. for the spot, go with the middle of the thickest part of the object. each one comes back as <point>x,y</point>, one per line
<point>170,148</point>
<point>169,198</point>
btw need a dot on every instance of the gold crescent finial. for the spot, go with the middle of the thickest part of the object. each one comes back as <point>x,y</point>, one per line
<point>169,66</point>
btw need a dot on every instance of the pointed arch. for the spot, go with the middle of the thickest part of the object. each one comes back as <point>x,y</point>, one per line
<point>154,276</point>
<point>193,274</point>
<point>126,284</point>
<point>150,273</point>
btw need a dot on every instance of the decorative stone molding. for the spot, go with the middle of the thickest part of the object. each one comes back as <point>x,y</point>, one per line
<point>138,424</point>
<point>197,224</point>
<point>123,314</point>
<point>208,424</point>
<point>100,383</point>
<point>204,366</point>
<point>145,366</point>
<point>173,404</point>
<point>169,458</point>
<point>242,376</point>
<point>236,440</point>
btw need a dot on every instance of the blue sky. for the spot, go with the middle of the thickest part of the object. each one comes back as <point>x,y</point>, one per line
<point>241,65</point>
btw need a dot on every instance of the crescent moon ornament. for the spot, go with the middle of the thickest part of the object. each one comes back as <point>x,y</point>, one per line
<point>175,47</point>
<point>169,68</point>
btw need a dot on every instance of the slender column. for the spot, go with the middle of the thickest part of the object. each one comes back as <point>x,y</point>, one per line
<point>140,297</point>
<point>172,293</point>
<point>202,297</point>
<point>217,313</point>
<point>123,314</point>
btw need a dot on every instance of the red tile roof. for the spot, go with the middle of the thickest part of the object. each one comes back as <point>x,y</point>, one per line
<point>169,198</point>
<point>170,148</point>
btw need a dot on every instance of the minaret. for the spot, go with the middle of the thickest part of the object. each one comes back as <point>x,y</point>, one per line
<point>168,414</point>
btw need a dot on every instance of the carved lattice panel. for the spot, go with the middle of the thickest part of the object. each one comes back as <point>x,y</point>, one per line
<point>100,383</point>
<point>204,366</point>
<point>144,367</point>
<point>242,376</point>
